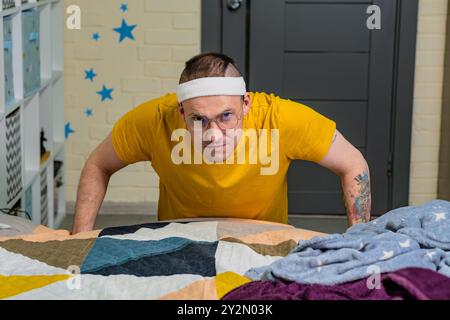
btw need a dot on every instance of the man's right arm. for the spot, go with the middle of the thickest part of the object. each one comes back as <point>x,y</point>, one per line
<point>100,166</point>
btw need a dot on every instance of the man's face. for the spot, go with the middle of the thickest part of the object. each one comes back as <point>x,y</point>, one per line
<point>219,137</point>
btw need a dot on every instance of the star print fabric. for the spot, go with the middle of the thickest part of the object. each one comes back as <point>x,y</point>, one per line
<point>407,237</point>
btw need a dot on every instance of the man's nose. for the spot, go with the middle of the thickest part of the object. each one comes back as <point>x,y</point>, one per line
<point>213,126</point>
<point>217,133</point>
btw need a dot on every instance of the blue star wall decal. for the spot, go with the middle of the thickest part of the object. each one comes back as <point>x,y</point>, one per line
<point>88,112</point>
<point>90,74</point>
<point>68,130</point>
<point>125,31</point>
<point>96,36</point>
<point>124,7</point>
<point>105,93</point>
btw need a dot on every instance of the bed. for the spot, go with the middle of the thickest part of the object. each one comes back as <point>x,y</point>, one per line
<point>183,259</point>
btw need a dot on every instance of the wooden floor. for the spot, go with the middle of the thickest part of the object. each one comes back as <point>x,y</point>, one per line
<point>326,224</point>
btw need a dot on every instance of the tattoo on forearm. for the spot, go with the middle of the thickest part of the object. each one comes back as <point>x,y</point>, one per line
<point>361,203</point>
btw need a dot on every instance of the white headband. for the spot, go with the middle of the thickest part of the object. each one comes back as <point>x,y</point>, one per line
<point>211,86</point>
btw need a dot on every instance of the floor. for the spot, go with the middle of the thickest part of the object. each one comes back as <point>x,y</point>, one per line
<point>326,224</point>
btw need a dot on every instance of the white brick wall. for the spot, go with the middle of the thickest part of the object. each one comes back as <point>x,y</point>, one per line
<point>431,41</point>
<point>167,34</point>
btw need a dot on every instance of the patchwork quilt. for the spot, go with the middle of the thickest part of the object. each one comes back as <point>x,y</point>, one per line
<point>200,259</point>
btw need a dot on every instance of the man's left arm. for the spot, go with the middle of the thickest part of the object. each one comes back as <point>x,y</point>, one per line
<point>349,164</point>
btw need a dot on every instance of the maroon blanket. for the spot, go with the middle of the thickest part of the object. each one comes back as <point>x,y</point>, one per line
<point>409,283</point>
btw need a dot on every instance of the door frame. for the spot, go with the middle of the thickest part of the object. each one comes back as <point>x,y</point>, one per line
<point>403,82</point>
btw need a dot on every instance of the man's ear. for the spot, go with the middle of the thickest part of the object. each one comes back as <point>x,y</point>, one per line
<point>247,103</point>
<point>181,110</point>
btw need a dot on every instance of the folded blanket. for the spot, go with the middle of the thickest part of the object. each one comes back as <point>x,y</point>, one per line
<point>405,284</point>
<point>402,238</point>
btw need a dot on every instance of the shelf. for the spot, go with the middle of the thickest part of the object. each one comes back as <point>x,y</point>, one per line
<point>9,11</point>
<point>30,176</point>
<point>14,201</point>
<point>12,106</point>
<point>44,163</point>
<point>56,75</point>
<point>44,83</point>
<point>25,6</point>
<point>59,146</point>
<point>30,5</point>
<point>42,108</point>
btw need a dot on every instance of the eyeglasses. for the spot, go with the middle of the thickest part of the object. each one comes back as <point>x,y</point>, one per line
<point>226,120</point>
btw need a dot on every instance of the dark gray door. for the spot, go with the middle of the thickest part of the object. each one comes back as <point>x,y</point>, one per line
<point>322,54</point>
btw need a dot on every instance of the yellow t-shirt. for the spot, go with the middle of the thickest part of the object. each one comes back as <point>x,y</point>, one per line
<point>222,190</point>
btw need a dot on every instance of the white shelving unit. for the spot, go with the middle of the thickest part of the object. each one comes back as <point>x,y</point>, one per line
<point>39,191</point>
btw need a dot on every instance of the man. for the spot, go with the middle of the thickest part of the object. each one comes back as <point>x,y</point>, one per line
<point>215,175</point>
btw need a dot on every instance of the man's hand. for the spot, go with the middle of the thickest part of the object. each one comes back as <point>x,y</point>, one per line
<point>349,164</point>
<point>101,165</point>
